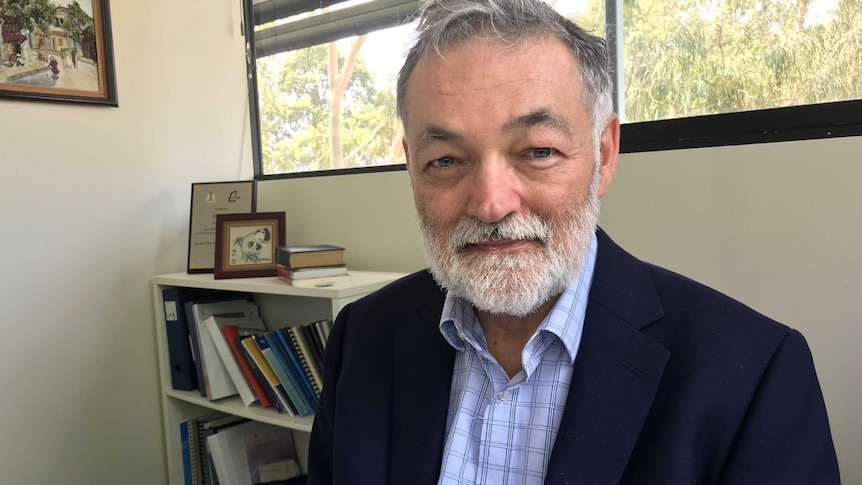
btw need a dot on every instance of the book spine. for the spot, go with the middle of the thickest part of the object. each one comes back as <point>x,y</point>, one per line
<point>258,373</point>
<point>194,338</point>
<point>251,344</point>
<point>292,353</point>
<point>203,460</point>
<point>186,447</point>
<point>307,334</point>
<point>327,327</point>
<point>305,360</point>
<point>214,326</point>
<point>180,357</point>
<point>292,373</point>
<point>321,336</point>
<point>286,380</point>
<point>231,334</point>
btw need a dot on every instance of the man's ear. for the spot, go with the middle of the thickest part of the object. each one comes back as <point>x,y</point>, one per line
<point>609,150</point>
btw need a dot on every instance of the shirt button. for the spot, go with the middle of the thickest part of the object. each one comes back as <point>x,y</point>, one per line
<point>461,336</point>
<point>504,395</point>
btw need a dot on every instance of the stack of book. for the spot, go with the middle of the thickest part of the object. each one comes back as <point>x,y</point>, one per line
<point>230,351</point>
<point>311,266</point>
<point>220,448</point>
<point>288,364</point>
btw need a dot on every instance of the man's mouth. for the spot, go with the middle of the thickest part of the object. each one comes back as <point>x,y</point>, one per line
<point>501,245</point>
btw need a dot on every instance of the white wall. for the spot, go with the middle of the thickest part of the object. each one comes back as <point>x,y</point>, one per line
<point>776,226</point>
<point>94,201</point>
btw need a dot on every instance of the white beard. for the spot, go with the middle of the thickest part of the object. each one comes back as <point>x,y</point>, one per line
<point>513,283</point>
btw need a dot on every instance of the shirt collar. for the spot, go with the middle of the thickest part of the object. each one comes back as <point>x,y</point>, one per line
<point>459,325</point>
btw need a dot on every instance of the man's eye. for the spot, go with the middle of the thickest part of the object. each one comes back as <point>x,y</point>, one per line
<point>443,162</point>
<point>543,152</point>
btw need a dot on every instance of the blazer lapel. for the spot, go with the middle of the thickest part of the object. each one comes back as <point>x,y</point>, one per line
<point>616,373</point>
<point>422,377</point>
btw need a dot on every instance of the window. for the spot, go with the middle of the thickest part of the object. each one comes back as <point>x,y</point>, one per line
<point>689,73</point>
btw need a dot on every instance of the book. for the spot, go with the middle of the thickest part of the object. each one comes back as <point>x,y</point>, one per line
<point>250,344</point>
<point>186,444</point>
<point>197,427</point>
<point>230,457</point>
<point>270,454</point>
<point>258,373</point>
<point>232,334</point>
<point>290,343</point>
<point>181,353</point>
<point>180,356</point>
<point>190,296</point>
<point>313,272</point>
<point>217,381</point>
<point>282,334</point>
<point>286,373</point>
<point>289,386</point>
<point>305,359</point>
<point>321,327</point>
<point>309,256</point>
<point>315,282</point>
<point>315,347</point>
<point>326,327</point>
<point>196,349</point>
<point>214,325</point>
<point>208,426</point>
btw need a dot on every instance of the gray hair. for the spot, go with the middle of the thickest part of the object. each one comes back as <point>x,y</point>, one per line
<point>444,23</point>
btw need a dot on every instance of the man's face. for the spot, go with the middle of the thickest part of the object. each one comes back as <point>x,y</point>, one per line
<point>500,154</point>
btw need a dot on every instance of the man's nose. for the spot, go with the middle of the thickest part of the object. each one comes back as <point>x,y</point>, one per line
<point>495,190</point>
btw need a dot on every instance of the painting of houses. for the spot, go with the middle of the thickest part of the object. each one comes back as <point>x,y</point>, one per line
<point>56,50</point>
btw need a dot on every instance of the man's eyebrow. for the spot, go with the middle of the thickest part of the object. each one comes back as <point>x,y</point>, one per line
<point>435,134</point>
<point>539,117</point>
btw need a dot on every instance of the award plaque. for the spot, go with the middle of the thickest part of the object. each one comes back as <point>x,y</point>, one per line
<point>209,200</point>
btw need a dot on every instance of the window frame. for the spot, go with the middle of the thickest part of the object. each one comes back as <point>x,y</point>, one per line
<point>792,123</point>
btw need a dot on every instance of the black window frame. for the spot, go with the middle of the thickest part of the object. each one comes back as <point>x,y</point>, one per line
<point>792,123</point>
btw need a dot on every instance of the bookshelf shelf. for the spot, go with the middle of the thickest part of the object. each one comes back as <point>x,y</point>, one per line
<point>280,305</point>
<point>233,405</point>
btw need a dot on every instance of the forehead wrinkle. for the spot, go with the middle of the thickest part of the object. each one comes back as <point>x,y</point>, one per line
<point>539,117</point>
<point>435,134</point>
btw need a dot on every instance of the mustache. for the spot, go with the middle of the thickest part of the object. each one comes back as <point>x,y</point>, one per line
<point>525,226</point>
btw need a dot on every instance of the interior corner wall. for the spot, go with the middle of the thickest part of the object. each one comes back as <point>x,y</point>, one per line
<point>94,201</point>
<point>776,226</point>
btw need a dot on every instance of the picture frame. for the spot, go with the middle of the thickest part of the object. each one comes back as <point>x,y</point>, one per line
<point>57,50</point>
<point>245,244</point>
<point>207,200</point>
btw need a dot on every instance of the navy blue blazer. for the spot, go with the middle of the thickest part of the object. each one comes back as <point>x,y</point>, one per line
<point>673,383</point>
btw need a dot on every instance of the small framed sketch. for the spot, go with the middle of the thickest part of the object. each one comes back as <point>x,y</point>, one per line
<point>245,244</point>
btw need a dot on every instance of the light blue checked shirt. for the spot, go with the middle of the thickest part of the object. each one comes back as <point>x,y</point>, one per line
<point>501,430</point>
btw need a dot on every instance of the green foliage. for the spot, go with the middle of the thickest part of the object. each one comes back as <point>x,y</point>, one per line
<point>77,22</point>
<point>33,15</point>
<point>694,57</point>
<point>294,113</point>
<point>39,15</point>
<point>681,58</point>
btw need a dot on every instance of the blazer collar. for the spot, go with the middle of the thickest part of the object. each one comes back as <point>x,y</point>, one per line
<point>616,373</point>
<point>422,378</point>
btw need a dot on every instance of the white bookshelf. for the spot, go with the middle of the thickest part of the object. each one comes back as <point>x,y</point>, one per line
<point>280,305</point>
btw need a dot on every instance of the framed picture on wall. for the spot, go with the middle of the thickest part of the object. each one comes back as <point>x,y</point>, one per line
<point>245,244</point>
<point>57,50</point>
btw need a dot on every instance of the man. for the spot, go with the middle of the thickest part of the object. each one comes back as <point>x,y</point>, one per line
<point>539,351</point>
